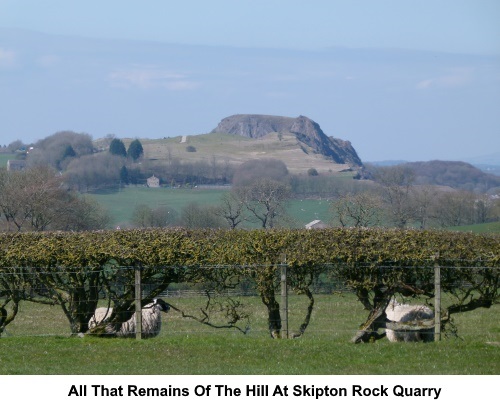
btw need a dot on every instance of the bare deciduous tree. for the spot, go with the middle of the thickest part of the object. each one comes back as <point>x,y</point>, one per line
<point>256,169</point>
<point>144,216</point>
<point>266,200</point>
<point>231,209</point>
<point>59,149</point>
<point>456,208</point>
<point>397,185</point>
<point>35,199</point>
<point>425,204</point>
<point>94,172</point>
<point>357,210</point>
<point>196,216</point>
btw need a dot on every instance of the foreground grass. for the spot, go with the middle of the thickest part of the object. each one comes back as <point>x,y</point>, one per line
<point>185,347</point>
<point>239,355</point>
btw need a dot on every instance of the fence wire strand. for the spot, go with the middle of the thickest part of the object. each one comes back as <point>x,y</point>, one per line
<point>337,310</point>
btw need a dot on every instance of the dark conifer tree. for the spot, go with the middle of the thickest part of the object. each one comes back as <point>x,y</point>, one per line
<point>124,175</point>
<point>135,150</point>
<point>117,147</point>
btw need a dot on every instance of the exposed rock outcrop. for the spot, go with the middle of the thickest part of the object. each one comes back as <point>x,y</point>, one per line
<point>305,130</point>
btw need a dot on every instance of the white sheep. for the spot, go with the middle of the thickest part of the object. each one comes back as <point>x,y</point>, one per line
<point>397,312</point>
<point>151,320</point>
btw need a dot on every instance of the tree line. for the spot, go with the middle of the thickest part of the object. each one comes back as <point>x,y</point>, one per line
<point>397,199</point>
<point>262,188</point>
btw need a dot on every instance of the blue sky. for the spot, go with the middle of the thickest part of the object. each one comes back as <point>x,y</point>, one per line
<point>412,80</point>
<point>444,25</point>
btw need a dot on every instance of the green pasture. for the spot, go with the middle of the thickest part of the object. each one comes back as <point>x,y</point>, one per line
<point>121,204</point>
<point>489,227</point>
<point>4,157</point>
<point>38,342</point>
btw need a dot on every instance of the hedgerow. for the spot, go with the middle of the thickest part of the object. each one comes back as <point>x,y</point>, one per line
<point>72,269</point>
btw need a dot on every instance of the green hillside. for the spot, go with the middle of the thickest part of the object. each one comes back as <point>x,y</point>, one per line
<point>235,149</point>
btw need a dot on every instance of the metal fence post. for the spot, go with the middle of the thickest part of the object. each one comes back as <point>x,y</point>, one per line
<point>437,299</point>
<point>138,306</point>
<point>284,297</point>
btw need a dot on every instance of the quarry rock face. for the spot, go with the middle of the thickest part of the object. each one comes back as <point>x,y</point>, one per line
<point>305,130</point>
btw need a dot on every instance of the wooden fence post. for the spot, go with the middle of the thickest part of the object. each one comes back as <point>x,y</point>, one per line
<point>284,297</point>
<point>138,305</point>
<point>437,299</point>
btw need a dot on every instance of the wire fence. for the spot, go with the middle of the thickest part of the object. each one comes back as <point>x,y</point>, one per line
<point>43,302</point>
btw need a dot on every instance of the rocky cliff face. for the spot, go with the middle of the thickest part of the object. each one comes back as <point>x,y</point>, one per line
<point>305,130</point>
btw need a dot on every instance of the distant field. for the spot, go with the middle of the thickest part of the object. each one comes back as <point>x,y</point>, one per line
<point>121,204</point>
<point>4,157</point>
<point>301,211</point>
<point>490,227</point>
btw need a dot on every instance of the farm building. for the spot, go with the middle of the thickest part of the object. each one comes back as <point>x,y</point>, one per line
<point>316,224</point>
<point>153,181</point>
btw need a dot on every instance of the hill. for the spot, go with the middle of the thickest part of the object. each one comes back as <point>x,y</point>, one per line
<point>299,142</point>
<point>307,133</point>
<point>455,174</point>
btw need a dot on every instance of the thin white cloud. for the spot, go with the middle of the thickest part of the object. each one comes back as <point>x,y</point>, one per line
<point>456,78</point>
<point>425,84</point>
<point>150,77</point>
<point>7,58</point>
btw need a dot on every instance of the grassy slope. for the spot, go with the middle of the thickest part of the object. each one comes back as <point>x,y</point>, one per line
<point>186,347</point>
<point>234,149</point>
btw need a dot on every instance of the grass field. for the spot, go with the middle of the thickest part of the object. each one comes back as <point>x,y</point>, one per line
<point>301,211</point>
<point>4,157</point>
<point>122,203</point>
<point>186,347</point>
<point>490,227</point>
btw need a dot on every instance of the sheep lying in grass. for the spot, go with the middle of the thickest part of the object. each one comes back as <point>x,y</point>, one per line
<point>397,312</point>
<point>151,320</point>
